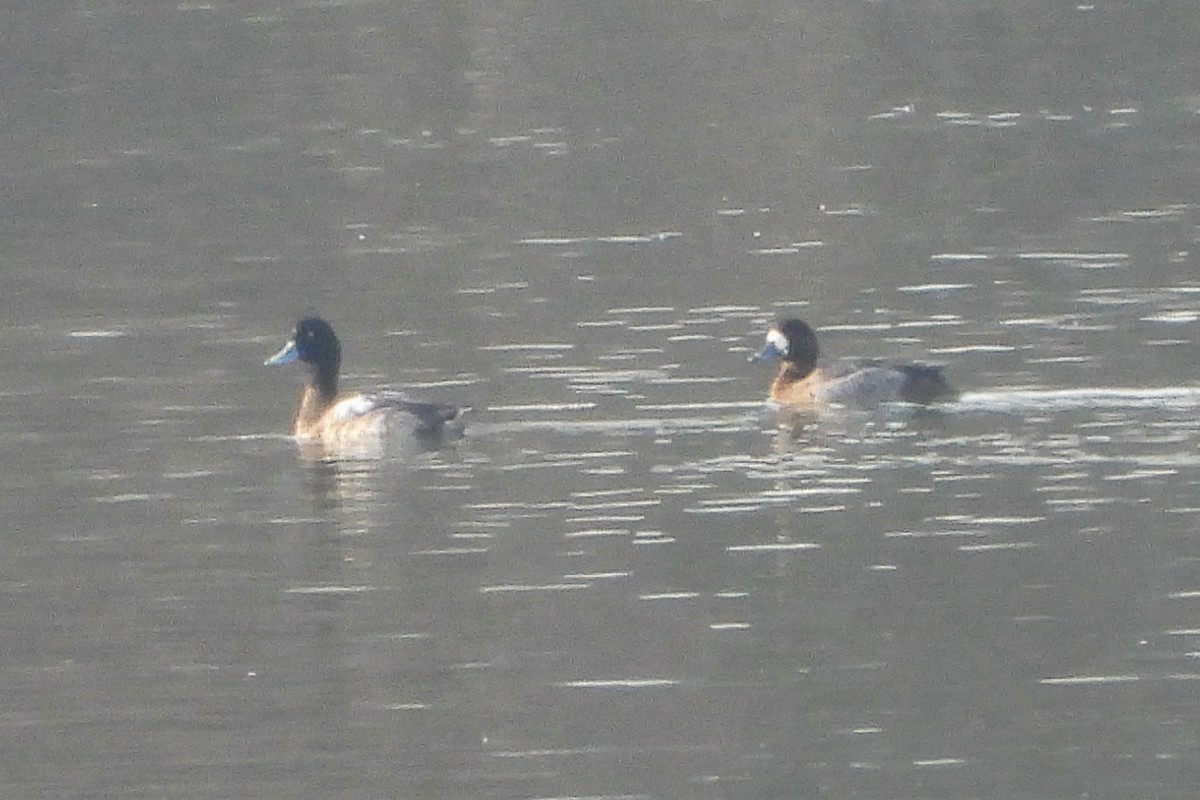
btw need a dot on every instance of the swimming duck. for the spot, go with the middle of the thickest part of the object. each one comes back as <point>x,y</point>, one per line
<point>355,423</point>
<point>800,383</point>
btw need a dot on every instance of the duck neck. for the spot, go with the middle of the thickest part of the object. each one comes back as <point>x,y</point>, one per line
<point>797,369</point>
<point>325,382</point>
<point>787,377</point>
<point>318,395</point>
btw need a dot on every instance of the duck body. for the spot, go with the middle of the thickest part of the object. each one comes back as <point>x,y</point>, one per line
<point>801,383</point>
<point>357,421</point>
<point>361,423</point>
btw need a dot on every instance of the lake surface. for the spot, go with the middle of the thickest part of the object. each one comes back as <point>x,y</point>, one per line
<point>579,218</point>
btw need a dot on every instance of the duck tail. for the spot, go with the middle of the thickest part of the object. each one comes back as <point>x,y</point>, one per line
<point>454,420</point>
<point>924,385</point>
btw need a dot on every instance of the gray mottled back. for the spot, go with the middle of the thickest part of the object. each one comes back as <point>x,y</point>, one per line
<point>856,382</point>
<point>850,382</point>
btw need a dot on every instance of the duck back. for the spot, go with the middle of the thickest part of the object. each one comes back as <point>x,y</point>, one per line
<point>855,382</point>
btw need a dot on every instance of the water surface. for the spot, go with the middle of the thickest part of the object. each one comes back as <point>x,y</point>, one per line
<point>579,219</point>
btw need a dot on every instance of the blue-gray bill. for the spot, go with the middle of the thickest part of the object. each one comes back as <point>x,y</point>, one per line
<point>287,355</point>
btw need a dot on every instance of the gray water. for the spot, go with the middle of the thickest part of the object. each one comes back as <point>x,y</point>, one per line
<point>578,218</point>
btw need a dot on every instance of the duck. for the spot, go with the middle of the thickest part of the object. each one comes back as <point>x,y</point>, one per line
<point>356,423</point>
<point>802,384</point>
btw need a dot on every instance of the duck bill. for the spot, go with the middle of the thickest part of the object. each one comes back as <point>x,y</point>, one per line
<point>287,355</point>
<point>768,352</point>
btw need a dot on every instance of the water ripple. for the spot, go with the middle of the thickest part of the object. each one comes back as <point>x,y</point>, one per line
<point>1182,397</point>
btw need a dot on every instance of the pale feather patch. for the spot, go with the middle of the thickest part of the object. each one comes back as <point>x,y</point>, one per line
<point>351,408</point>
<point>776,339</point>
